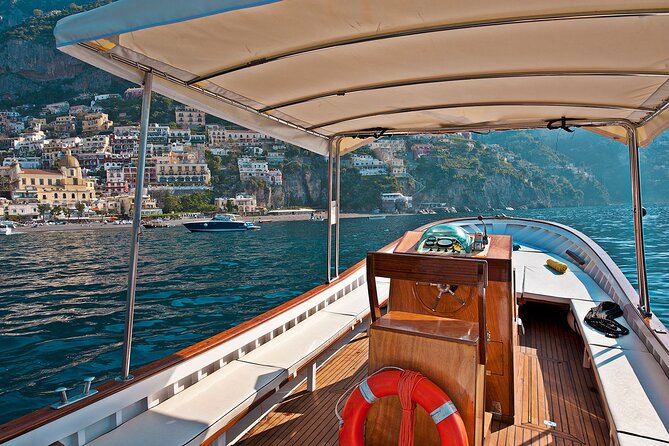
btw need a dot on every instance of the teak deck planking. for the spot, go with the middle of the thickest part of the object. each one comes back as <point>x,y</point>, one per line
<point>551,385</point>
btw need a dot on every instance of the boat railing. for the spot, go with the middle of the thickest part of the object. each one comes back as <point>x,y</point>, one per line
<point>119,401</point>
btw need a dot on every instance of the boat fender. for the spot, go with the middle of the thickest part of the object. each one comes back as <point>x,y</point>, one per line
<point>412,388</point>
<point>557,266</point>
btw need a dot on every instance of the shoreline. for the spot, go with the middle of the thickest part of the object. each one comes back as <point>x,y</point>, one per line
<point>264,219</point>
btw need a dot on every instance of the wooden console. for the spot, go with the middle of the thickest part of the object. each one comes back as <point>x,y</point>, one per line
<point>446,351</point>
<point>416,296</point>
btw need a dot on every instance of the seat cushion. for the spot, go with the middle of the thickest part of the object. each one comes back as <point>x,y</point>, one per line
<point>356,303</point>
<point>636,391</point>
<point>296,346</point>
<point>218,397</point>
<point>633,440</point>
<point>543,283</point>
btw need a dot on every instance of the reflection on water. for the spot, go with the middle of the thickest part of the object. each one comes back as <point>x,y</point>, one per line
<point>62,293</point>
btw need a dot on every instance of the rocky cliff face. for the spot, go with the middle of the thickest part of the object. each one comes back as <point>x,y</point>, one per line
<point>30,68</point>
<point>495,192</point>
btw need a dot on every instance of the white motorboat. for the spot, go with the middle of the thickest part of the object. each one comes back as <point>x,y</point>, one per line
<point>6,227</point>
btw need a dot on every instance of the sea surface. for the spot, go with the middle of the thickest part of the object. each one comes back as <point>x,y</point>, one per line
<point>62,294</point>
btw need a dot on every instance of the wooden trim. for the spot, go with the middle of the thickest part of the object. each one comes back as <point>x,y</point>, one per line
<point>372,293</point>
<point>421,268</point>
<point>45,415</point>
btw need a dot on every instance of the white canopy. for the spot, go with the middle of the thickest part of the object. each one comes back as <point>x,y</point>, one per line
<point>306,70</point>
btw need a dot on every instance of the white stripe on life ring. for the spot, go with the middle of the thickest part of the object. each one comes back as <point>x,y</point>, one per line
<point>367,393</point>
<point>442,412</point>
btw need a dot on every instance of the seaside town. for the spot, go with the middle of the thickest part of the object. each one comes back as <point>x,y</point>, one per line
<point>72,163</point>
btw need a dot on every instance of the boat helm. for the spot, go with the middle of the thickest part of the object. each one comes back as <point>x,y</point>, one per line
<point>445,237</point>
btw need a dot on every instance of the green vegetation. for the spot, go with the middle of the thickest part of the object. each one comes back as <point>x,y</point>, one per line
<point>39,27</point>
<point>197,202</point>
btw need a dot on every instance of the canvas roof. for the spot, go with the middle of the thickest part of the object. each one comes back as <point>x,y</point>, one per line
<point>306,70</point>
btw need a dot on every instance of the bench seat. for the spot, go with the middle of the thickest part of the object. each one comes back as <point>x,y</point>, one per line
<point>593,337</point>
<point>356,303</point>
<point>636,409</point>
<point>302,343</point>
<point>216,400</point>
<point>186,417</point>
<point>633,440</point>
<point>639,414</point>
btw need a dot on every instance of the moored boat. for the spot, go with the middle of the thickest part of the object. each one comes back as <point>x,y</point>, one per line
<point>154,224</point>
<point>6,227</point>
<point>221,223</point>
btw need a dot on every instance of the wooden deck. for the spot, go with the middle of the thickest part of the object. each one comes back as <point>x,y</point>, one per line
<point>555,389</point>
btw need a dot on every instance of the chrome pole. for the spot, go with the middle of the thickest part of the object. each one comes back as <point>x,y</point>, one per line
<point>637,210</point>
<point>330,172</point>
<point>136,230</point>
<point>337,196</point>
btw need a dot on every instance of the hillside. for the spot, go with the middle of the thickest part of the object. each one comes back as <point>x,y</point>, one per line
<point>606,160</point>
<point>31,68</point>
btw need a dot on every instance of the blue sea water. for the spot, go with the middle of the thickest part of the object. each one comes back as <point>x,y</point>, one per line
<point>62,294</point>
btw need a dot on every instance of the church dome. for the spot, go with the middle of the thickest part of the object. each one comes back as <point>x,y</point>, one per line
<point>68,161</point>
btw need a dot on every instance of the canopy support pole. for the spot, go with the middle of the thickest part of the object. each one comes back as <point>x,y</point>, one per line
<point>136,228</point>
<point>334,189</point>
<point>337,199</point>
<point>637,210</point>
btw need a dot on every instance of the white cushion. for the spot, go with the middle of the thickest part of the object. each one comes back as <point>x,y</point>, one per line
<point>530,257</point>
<point>542,282</point>
<point>635,408</point>
<point>593,337</point>
<point>296,346</point>
<point>221,395</point>
<point>356,303</point>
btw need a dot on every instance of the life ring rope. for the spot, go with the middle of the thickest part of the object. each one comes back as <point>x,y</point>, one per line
<point>413,389</point>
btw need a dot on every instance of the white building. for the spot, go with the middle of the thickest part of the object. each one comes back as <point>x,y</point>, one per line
<point>368,165</point>
<point>189,117</point>
<point>26,162</point>
<point>23,209</point>
<point>253,168</point>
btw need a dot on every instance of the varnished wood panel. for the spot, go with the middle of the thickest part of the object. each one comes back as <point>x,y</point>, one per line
<point>497,253</point>
<point>451,365</point>
<point>407,296</point>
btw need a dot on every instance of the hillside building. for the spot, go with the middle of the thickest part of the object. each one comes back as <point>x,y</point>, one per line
<point>65,125</point>
<point>96,122</point>
<point>65,186</point>
<point>189,117</point>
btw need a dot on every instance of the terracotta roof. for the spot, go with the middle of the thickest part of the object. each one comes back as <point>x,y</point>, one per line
<point>41,172</point>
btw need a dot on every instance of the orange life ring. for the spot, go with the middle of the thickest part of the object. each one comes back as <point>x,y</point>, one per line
<point>386,383</point>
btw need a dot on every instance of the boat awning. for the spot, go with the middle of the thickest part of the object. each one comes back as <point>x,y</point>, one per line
<point>306,70</point>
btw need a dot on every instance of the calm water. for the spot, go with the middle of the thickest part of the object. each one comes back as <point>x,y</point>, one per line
<point>62,293</point>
